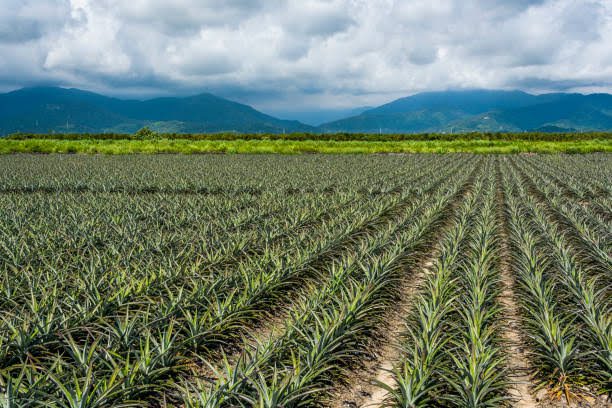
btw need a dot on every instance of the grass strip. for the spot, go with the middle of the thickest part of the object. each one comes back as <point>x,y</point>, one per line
<point>92,146</point>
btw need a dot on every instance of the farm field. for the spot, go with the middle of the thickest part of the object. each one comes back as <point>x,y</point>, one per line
<point>199,281</point>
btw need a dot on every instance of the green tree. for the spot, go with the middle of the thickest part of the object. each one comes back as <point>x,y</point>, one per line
<point>145,133</point>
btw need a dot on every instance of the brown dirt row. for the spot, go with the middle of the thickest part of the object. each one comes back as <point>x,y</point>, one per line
<point>364,390</point>
<point>517,361</point>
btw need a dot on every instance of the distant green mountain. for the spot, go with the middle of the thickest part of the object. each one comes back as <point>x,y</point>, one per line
<point>482,110</point>
<point>46,110</point>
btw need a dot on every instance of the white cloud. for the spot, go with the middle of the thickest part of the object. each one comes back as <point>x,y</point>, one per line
<point>88,43</point>
<point>306,52</point>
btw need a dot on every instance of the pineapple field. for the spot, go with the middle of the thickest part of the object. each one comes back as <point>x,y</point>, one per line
<point>334,281</point>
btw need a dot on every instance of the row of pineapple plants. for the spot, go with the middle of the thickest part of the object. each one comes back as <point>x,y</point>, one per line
<point>582,293</point>
<point>452,352</point>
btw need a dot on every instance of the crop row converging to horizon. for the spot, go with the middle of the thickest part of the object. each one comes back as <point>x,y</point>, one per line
<point>297,281</point>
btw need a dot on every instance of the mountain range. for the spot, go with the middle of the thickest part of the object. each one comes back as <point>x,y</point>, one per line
<point>46,110</point>
<point>483,110</point>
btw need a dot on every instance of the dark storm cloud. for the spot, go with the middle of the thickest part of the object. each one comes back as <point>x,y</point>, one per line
<point>584,20</point>
<point>20,30</point>
<point>562,85</point>
<point>323,22</point>
<point>333,53</point>
<point>23,21</point>
<point>423,56</point>
<point>183,17</point>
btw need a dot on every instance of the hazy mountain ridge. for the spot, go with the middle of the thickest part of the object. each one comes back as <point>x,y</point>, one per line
<point>46,110</point>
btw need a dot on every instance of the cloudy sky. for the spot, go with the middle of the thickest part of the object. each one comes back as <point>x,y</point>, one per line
<point>306,54</point>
